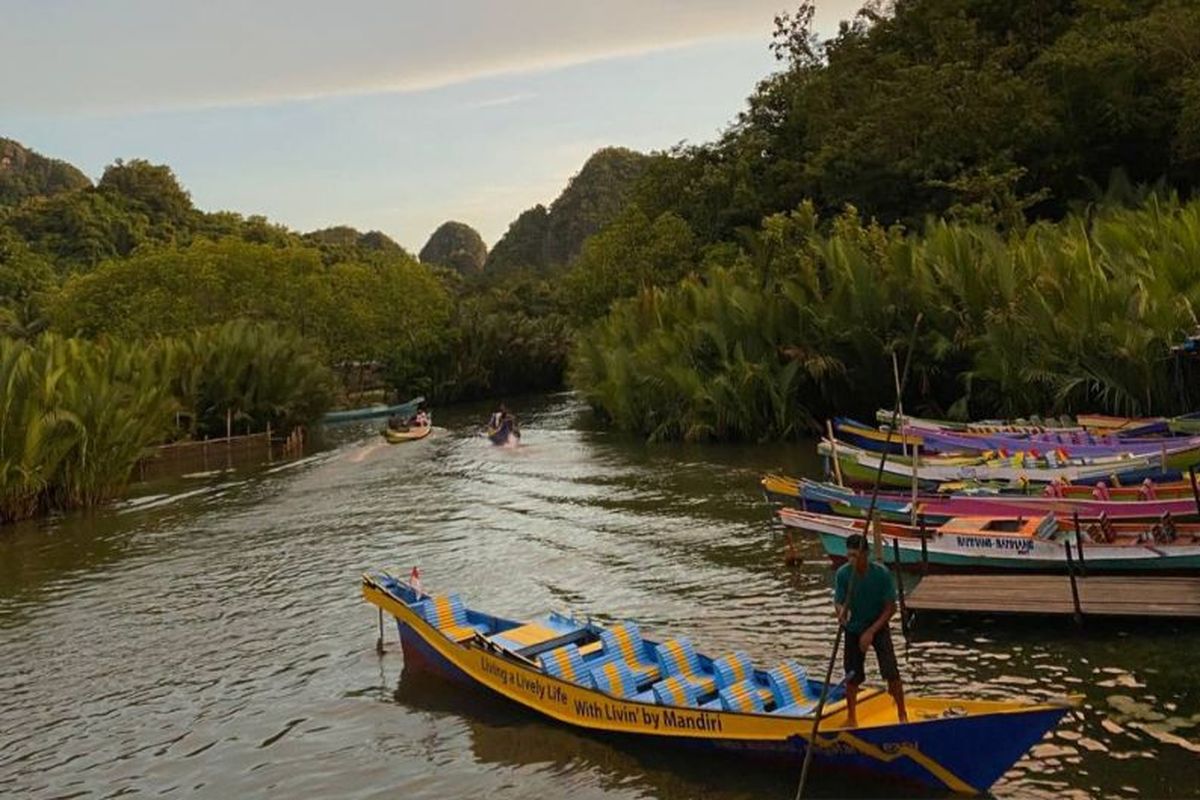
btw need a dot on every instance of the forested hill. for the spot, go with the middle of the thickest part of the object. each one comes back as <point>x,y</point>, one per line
<point>25,173</point>
<point>542,237</point>
<point>996,111</point>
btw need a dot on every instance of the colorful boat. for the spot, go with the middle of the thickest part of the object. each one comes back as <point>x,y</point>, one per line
<point>859,467</point>
<point>830,498</point>
<point>1174,453</point>
<point>403,410</point>
<point>613,681</point>
<point>410,435</point>
<point>1032,425</point>
<point>1124,427</point>
<point>1178,454</point>
<point>1023,544</point>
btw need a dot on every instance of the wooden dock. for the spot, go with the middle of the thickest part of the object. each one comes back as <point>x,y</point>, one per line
<point>1095,595</point>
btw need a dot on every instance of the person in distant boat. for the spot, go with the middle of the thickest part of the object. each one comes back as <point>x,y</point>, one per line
<point>394,423</point>
<point>864,595</point>
<point>421,419</point>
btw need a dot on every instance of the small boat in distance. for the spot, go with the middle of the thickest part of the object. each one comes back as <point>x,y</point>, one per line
<point>406,429</point>
<point>410,435</point>
<point>403,410</point>
<point>611,680</point>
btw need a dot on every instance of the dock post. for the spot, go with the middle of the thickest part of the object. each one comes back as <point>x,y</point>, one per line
<point>1074,587</point>
<point>1195,491</point>
<point>1079,546</point>
<point>900,586</point>
<point>924,545</point>
<point>379,641</point>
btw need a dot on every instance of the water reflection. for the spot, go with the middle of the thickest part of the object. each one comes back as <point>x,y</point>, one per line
<point>500,734</point>
<point>208,636</point>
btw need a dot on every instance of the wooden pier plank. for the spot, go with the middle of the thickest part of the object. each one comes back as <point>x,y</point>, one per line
<point>1099,595</point>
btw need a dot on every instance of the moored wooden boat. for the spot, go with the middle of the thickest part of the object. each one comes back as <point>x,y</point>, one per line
<point>859,466</point>
<point>1124,503</point>
<point>611,680</point>
<point>409,435</point>
<point>1025,544</point>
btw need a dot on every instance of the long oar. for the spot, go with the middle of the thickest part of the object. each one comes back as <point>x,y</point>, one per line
<point>837,639</point>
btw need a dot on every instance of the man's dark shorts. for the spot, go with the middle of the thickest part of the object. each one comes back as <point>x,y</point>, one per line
<point>853,658</point>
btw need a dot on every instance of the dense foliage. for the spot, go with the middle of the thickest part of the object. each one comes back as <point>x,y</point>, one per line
<point>77,415</point>
<point>1064,317</point>
<point>976,109</point>
<point>352,310</point>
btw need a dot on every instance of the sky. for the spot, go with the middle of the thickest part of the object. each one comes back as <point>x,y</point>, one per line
<point>391,115</point>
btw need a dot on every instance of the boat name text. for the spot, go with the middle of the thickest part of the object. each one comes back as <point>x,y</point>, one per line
<point>1019,546</point>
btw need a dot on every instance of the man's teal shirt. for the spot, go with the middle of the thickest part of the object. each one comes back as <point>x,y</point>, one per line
<point>872,591</point>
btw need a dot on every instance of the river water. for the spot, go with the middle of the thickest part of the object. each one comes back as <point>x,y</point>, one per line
<point>207,638</point>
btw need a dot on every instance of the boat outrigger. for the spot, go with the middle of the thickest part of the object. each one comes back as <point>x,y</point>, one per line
<point>612,680</point>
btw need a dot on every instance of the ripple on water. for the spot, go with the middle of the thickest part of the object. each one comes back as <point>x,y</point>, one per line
<point>208,637</point>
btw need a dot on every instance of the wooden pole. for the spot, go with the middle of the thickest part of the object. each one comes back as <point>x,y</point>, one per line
<point>379,641</point>
<point>1195,491</point>
<point>812,738</point>
<point>1079,545</point>
<point>916,465</point>
<point>899,403</point>
<point>1074,587</point>
<point>228,423</point>
<point>900,586</point>
<point>833,453</point>
<point>924,545</point>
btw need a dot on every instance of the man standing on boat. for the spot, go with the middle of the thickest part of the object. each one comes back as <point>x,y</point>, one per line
<point>864,594</point>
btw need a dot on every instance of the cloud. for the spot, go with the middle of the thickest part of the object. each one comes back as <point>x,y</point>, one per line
<point>113,56</point>
<point>121,55</point>
<point>507,100</point>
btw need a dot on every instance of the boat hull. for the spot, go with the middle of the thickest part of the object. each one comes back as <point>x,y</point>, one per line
<point>964,753</point>
<point>983,551</point>
<point>826,498</point>
<point>410,435</point>
<point>370,412</point>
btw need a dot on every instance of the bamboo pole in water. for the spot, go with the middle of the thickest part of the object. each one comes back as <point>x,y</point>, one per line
<point>833,453</point>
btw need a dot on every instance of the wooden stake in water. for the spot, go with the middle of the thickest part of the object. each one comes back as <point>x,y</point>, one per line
<point>833,453</point>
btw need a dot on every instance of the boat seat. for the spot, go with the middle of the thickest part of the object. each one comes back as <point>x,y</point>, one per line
<point>448,614</point>
<point>615,678</point>
<point>624,641</point>
<point>566,663</point>
<point>793,695</point>
<point>675,691</point>
<point>736,668</point>
<point>677,658</point>
<point>743,696</point>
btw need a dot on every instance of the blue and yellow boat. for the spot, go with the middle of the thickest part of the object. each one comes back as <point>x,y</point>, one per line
<point>611,680</point>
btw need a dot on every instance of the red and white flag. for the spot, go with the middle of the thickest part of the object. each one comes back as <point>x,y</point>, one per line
<point>414,580</point>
